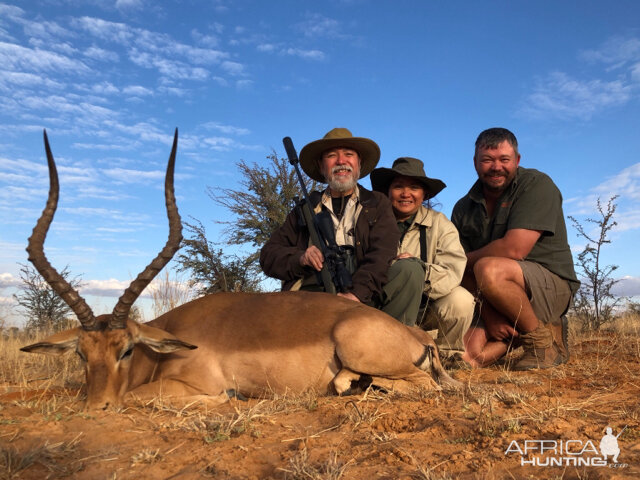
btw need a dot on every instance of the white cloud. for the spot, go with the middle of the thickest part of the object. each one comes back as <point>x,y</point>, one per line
<point>266,47</point>
<point>220,81</point>
<point>11,12</point>
<point>616,51</point>
<point>627,220</point>
<point>306,54</point>
<point>10,80</point>
<point>241,84</point>
<point>219,143</point>
<point>20,166</point>
<point>98,53</point>
<point>174,69</point>
<point>110,31</point>
<point>104,288</point>
<point>7,280</point>
<point>232,68</point>
<point>125,175</point>
<point>175,91</point>
<point>208,40</point>
<point>61,105</point>
<point>227,129</point>
<point>129,4</point>
<point>137,90</point>
<point>317,25</point>
<point>104,88</point>
<point>19,58</point>
<point>626,184</point>
<point>627,287</point>
<point>11,194</point>
<point>563,97</point>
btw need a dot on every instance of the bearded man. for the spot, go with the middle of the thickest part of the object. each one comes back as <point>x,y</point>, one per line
<point>519,262</point>
<point>363,222</point>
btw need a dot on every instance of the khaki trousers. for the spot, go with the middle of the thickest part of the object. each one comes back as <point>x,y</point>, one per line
<point>451,314</point>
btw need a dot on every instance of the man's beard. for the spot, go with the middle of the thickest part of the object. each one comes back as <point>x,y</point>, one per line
<point>501,188</point>
<point>342,184</point>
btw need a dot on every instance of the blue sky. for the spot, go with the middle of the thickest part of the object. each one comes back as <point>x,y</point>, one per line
<point>111,80</point>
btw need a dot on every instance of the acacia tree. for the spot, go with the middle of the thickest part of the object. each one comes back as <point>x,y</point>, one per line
<point>261,205</point>
<point>211,270</point>
<point>594,302</point>
<point>43,307</point>
<point>258,208</point>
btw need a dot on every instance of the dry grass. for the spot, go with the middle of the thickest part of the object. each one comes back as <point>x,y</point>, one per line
<point>168,293</point>
<point>496,404</point>
<point>20,370</point>
<point>48,455</point>
<point>301,468</point>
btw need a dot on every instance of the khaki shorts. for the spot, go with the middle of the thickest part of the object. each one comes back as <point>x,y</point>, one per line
<point>549,294</point>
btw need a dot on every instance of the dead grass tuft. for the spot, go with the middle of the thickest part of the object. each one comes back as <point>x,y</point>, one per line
<point>301,468</point>
<point>50,456</point>
<point>146,457</point>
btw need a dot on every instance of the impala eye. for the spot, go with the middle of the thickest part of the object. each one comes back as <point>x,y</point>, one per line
<point>127,353</point>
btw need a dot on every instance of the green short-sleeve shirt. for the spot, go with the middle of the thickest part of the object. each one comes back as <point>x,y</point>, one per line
<point>532,202</point>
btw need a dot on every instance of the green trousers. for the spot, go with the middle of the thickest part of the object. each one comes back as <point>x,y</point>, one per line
<point>403,291</point>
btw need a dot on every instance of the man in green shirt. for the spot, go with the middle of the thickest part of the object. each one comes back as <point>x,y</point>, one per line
<point>519,263</point>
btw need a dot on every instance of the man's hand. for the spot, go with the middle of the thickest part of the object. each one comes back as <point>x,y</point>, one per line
<point>350,296</point>
<point>500,331</point>
<point>404,255</point>
<point>312,258</point>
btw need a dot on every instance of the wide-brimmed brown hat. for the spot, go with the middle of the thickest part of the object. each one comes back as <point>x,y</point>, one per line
<point>381,178</point>
<point>311,153</point>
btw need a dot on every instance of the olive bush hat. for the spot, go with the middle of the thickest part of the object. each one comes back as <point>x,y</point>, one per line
<point>381,178</point>
<point>311,154</point>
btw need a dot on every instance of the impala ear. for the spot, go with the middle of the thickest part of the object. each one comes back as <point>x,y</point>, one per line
<point>160,340</point>
<point>56,344</point>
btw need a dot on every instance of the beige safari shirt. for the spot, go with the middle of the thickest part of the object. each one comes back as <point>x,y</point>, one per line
<point>344,227</point>
<point>446,259</point>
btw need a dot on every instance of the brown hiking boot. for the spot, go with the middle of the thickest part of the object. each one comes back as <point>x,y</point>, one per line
<point>560,333</point>
<point>540,351</point>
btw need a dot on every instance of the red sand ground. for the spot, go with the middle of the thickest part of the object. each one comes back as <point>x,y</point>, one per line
<point>45,433</point>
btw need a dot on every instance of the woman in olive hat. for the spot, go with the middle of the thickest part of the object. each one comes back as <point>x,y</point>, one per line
<point>430,239</point>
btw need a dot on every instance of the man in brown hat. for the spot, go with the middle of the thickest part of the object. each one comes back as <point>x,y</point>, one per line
<point>363,220</point>
<point>430,248</point>
<point>519,262</point>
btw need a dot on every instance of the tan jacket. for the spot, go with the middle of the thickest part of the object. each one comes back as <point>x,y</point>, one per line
<point>446,259</point>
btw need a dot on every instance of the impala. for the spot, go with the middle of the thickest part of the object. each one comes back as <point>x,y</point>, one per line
<point>243,344</point>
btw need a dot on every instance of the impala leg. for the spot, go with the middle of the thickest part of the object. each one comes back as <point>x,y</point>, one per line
<point>342,381</point>
<point>408,383</point>
<point>377,345</point>
<point>175,389</point>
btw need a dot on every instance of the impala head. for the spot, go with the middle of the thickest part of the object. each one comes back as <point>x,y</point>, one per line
<point>105,343</point>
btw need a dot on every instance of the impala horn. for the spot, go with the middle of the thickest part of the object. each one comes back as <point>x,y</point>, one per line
<point>122,308</point>
<point>63,288</point>
<point>35,248</point>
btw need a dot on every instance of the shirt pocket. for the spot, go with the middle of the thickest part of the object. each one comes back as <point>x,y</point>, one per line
<point>471,237</point>
<point>500,224</point>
